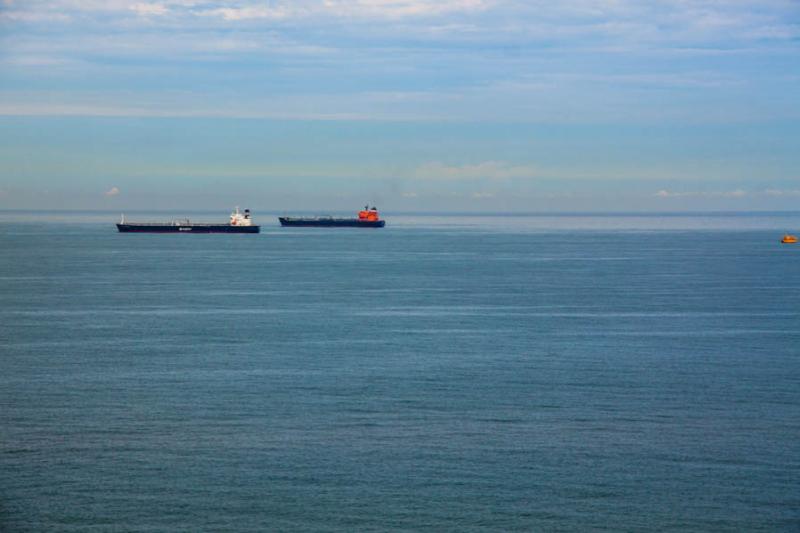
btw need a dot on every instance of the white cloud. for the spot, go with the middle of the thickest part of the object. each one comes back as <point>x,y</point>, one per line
<point>204,45</point>
<point>33,16</point>
<point>248,10</point>
<point>287,108</point>
<point>495,170</point>
<point>113,191</point>
<point>400,8</point>
<point>247,13</point>
<point>628,24</point>
<point>146,10</point>
<point>736,193</point>
<point>780,192</point>
<point>33,60</point>
<point>448,59</point>
<point>386,9</point>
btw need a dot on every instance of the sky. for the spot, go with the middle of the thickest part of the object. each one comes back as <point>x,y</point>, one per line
<point>412,105</point>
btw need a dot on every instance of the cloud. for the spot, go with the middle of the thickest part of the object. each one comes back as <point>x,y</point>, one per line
<point>113,191</point>
<point>146,10</point>
<point>780,192</point>
<point>625,24</point>
<point>280,109</point>
<point>401,8</point>
<point>737,193</point>
<point>409,195</point>
<point>473,60</point>
<point>494,170</point>
<point>33,16</point>
<point>359,9</point>
<point>246,13</point>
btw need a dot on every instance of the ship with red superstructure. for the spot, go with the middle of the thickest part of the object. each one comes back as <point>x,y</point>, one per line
<point>367,218</point>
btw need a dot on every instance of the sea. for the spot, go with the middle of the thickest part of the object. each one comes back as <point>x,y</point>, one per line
<point>546,372</point>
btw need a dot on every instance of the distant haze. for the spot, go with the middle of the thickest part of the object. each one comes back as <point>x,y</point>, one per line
<point>412,105</point>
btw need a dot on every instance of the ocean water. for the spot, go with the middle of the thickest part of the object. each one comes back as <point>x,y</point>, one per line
<point>554,373</point>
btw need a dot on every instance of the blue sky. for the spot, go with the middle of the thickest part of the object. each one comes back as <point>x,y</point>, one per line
<point>460,105</point>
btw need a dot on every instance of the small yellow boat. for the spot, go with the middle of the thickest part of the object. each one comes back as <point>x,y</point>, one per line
<point>789,239</point>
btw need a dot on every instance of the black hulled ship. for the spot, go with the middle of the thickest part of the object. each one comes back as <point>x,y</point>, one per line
<point>239,223</point>
<point>367,218</point>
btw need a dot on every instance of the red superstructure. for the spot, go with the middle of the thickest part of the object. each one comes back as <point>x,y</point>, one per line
<point>369,214</point>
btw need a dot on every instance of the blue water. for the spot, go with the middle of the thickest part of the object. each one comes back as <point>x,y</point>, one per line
<point>496,373</point>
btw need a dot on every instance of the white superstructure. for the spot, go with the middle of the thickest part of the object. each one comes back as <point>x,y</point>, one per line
<point>241,219</point>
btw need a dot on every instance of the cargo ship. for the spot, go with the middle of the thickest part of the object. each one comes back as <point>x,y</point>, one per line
<point>367,218</point>
<point>239,223</point>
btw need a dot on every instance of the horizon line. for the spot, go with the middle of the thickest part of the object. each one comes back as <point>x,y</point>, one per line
<point>438,213</point>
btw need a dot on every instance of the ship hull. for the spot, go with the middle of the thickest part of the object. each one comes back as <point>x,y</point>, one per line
<point>186,228</point>
<point>331,222</point>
